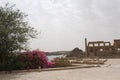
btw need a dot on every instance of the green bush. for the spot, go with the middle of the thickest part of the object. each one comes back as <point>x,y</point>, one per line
<point>13,63</point>
<point>2,67</point>
<point>19,66</point>
<point>61,62</point>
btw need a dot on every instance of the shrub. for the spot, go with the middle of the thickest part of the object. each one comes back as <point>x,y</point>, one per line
<point>40,58</point>
<point>61,62</point>
<point>50,64</point>
<point>12,64</point>
<point>27,60</point>
<point>2,67</point>
<point>34,60</point>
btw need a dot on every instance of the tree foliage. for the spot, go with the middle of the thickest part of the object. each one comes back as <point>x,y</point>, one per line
<point>14,31</point>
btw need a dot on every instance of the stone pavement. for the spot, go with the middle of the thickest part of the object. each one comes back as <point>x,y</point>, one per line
<point>109,71</point>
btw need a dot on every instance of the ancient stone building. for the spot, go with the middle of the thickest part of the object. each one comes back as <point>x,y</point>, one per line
<point>102,48</point>
<point>117,44</point>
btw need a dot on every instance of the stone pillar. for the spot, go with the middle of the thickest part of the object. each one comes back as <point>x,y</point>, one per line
<point>86,47</point>
<point>104,46</point>
<point>109,44</point>
<point>94,49</point>
<point>98,44</point>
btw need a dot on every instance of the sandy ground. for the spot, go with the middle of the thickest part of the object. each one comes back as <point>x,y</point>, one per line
<point>109,71</point>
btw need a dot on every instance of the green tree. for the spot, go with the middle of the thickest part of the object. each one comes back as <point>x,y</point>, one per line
<point>14,32</point>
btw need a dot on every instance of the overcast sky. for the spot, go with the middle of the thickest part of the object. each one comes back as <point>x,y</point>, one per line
<point>65,23</point>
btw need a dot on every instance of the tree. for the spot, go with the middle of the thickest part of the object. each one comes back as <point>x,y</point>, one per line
<point>14,32</point>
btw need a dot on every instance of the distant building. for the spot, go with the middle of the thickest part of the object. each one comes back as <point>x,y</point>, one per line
<point>102,48</point>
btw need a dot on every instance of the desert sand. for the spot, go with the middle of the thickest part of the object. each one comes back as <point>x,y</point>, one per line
<point>109,71</point>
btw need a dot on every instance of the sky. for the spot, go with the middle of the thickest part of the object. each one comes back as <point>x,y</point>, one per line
<point>64,24</point>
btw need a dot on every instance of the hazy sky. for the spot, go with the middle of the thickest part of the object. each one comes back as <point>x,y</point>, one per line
<point>65,23</point>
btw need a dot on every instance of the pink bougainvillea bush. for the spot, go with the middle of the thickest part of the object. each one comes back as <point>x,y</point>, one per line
<point>34,60</point>
<point>50,64</point>
<point>42,58</point>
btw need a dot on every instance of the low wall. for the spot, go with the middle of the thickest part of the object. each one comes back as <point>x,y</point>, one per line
<point>50,69</point>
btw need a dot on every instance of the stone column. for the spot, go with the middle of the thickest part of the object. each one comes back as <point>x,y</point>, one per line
<point>104,46</point>
<point>86,47</point>
<point>94,49</point>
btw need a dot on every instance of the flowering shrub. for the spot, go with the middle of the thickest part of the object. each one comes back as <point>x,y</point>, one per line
<point>61,62</point>
<point>51,64</point>
<point>27,60</point>
<point>42,58</point>
<point>34,60</point>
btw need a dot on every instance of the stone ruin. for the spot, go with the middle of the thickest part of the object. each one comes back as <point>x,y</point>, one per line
<point>102,49</point>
